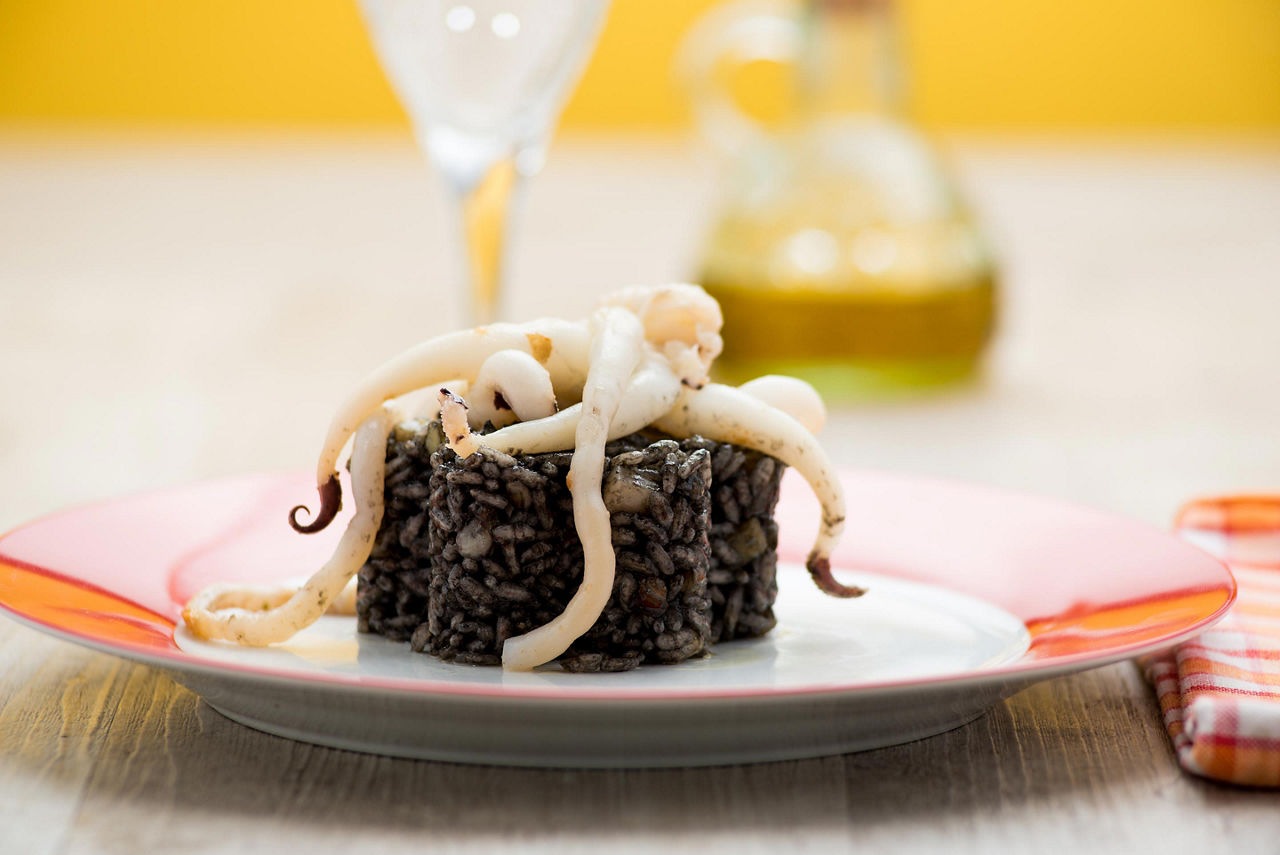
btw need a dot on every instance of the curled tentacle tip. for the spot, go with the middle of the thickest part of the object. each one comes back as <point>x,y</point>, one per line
<point>330,504</point>
<point>820,569</point>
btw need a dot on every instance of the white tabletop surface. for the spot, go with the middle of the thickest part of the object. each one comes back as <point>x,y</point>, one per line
<point>178,307</point>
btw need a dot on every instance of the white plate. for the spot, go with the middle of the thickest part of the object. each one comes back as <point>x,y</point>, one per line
<point>974,594</point>
<point>898,631</point>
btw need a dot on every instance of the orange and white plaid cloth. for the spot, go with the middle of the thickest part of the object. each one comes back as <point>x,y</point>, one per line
<point>1220,691</point>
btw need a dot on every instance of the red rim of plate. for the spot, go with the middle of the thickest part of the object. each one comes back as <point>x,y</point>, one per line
<point>173,658</point>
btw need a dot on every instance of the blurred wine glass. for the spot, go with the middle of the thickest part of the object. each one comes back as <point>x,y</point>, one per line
<point>483,82</point>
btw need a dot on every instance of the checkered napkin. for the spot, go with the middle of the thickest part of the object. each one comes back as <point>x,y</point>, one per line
<point>1220,691</point>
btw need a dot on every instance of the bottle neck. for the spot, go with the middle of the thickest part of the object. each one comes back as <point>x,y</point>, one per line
<point>852,66</point>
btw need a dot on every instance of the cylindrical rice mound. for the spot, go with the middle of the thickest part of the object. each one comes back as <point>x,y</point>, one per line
<point>490,542</point>
<point>494,545</point>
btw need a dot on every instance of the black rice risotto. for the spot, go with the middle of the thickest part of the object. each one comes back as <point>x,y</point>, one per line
<point>475,550</point>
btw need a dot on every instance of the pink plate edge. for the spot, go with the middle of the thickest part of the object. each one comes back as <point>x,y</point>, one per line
<point>1022,672</point>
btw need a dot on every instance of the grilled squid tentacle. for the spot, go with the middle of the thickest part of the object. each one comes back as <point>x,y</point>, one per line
<point>560,346</point>
<point>262,616</point>
<point>453,421</point>
<point>511,386</point>
<point>731,415</point>
<point>651,391</point>
<point>344,605</point>
<point>792,395</point>
<point>682,321</point>
<point>642,359</point>
<point>617,349</point>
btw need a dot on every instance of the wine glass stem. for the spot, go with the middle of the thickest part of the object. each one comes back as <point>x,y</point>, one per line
<point>485,210</point>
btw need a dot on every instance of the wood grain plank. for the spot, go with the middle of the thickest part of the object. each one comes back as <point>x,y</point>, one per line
<point>54,698</point>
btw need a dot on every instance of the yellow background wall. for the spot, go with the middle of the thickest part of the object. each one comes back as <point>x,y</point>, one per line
<point>988,64</point>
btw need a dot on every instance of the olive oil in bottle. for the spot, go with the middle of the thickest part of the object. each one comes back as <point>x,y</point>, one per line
<point>842,252</point>
<point>892,309</point>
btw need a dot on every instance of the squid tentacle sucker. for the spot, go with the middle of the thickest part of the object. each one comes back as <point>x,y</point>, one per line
<point>643,358</point>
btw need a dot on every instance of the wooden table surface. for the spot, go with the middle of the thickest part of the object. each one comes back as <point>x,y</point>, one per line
<point>184,307</point>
